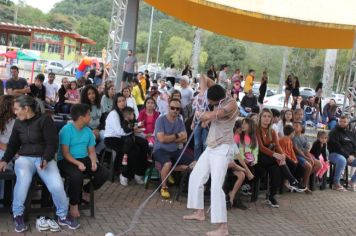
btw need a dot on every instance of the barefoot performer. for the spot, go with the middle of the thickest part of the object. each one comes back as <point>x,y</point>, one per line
<point>214,160</point>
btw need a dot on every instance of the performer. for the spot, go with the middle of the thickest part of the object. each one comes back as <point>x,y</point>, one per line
<point>214,160</point>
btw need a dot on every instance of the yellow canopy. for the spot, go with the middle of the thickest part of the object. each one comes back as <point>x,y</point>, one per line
<point>293,23</point>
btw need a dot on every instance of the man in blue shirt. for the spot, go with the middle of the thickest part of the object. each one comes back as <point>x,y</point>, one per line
<point>170,134</point>
<point>76,156</point>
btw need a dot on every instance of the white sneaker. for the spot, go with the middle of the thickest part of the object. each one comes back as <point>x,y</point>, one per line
<point>42,224</point>
<point>139,179</point>
<point>54,227</point>
<point>123,180</point>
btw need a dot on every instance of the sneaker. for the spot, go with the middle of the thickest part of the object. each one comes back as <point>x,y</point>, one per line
<point>20,224</point>
<point>273,202</point>
<point>53,226</point>
<point>171,180</point>
<point>164,193</point>
<point>352,185</point>
<point>123,180</point>
<point>124,160</point>
<point>298,187</point>
<point>69,221</point>
<point>42,224</point>
<point>139,179</point>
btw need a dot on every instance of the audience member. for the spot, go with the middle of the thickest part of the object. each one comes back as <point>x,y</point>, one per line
<point>34,138</point>
<point>76,157</point>
<point>16,85</point>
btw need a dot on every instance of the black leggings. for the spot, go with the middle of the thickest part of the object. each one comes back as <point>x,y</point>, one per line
<point>274,170</point>
<point>137,156</point>
<point>75,178</point>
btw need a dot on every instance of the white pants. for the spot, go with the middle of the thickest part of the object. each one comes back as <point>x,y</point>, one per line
<point>214,161</point>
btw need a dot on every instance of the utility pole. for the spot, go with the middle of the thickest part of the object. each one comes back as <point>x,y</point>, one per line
<point>149,39</point>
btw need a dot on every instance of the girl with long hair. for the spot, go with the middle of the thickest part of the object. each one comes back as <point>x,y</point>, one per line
<point>148,116</point>
<point>90,96</point>
<point>287,119</point>
<point>113,138</point>
<point>7,120</point>
<point>130,101</point>
<point>271,157</point>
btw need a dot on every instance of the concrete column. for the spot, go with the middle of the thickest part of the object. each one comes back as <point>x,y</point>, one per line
<point>329,71</point>
<point>130,32</point>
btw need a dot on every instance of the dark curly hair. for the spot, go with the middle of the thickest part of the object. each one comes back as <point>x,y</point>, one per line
<point>84,96</point>
<point>6,111</point>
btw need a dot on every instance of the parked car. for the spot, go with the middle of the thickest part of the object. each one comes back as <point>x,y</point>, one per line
<point>57,68</point>
<point>275,101</point>
<point>256,90</point>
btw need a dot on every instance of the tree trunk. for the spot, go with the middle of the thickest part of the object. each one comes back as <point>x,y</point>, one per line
<point>196,52</point>
<point>329,71</point>
<point>339,83</point>
<point>283,70</point>
<point>344,83</point>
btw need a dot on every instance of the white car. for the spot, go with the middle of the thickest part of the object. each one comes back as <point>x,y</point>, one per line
<point>275,101</point>
<point>57,68</point>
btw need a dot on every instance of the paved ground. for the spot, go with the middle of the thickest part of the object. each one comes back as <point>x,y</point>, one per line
<point>324,213</point>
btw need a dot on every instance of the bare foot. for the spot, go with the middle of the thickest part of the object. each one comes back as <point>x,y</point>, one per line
<point>197,215</point>
<point>231,198</point>
<point>74,211</point>
<point>221,231</point>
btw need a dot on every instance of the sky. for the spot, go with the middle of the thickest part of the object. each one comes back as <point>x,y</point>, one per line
<point>44,5</point>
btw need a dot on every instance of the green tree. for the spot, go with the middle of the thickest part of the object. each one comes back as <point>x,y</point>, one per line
<point>179,51</point>
<point>97,29</point>
<point>223,50</point>
<point>60,21</point>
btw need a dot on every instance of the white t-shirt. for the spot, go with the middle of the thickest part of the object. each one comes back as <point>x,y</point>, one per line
<point>280,127</point>
<point>187,96</point>
<point>171,72</point>
<point>51,89</point>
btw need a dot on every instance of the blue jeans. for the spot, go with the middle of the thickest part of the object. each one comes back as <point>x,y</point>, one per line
<point>200,135</point>
<point>332,124</point>
<point>25,168</point>
<point>243,112</point>
<point>340,163</point>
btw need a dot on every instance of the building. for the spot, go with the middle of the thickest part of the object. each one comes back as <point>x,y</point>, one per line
<point>53,44</point>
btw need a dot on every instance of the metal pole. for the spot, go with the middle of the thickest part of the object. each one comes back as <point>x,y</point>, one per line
<point>149,39</point>
<point>350,72</point>
<point>159,43</point>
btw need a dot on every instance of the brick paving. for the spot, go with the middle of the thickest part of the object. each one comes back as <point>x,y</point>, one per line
<point>323,213</point>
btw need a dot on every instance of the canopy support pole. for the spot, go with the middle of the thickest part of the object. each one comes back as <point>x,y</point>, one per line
<point>350,74</point>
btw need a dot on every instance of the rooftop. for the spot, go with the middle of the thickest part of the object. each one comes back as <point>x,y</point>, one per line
<point>21,29</point>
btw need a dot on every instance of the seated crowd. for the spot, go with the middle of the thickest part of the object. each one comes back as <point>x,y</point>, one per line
<point>145,123</point>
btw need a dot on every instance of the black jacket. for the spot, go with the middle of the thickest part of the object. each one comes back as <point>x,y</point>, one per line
<point>317,149</point>
<point>36,137</point>
<point>342,141</point>
<point>249,102</point>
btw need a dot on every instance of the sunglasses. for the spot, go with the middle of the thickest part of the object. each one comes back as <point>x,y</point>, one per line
<point>175,108</point>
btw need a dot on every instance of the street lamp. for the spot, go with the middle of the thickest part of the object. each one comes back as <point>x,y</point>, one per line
<point>159,43</point>
<point>149,39</point>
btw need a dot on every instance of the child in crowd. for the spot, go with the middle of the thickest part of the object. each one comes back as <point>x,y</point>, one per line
<point>236,89</point>
<point>128,125</point>
<point>148,117</point>
<point>302,147</point>
<point>72,95</point>
<point>319,150</point>
<point>286,143</point>
<point>287,119</point>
